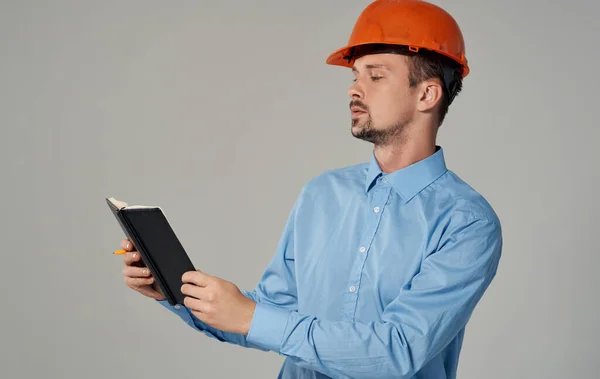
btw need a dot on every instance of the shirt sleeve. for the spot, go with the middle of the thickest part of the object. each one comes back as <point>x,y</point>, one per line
<point>190,319</point>
<point>277,287</point>
<point>425,316</point>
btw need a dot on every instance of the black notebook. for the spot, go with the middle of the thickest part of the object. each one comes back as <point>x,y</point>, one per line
<point>151,234</point>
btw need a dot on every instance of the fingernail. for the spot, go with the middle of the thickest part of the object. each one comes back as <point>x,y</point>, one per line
<point>144,272</point>
<point>134,254</point>
<point>128,245</point>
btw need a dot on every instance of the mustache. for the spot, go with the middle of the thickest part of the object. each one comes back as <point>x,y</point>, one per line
<point>360,104</point>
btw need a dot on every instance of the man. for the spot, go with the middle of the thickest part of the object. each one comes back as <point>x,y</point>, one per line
<point>381,264</point>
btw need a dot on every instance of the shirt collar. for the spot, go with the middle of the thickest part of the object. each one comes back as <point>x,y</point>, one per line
<point>412,179</point>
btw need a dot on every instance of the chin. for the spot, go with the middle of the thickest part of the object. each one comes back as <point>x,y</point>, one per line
<point>358,124</point>
<point>357,130</point>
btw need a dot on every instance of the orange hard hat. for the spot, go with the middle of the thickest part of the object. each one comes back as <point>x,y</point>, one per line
<point>413,24</point>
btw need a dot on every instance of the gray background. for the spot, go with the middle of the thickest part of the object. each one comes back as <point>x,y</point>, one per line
<point>219,112</point>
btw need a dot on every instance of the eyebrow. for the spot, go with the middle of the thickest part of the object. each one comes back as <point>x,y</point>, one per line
<point>370,67</point>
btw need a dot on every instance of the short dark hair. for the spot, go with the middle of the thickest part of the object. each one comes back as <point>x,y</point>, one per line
<point>425,65</point>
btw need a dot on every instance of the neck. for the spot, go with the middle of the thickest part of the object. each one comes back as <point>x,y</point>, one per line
<point>412,148</point>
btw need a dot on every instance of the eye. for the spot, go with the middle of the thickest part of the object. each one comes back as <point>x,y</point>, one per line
<point>373,78</point>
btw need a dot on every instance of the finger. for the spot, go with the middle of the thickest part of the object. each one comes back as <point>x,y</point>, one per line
<point>194,291</point>
<point>136,272</point>
<point>131,258</point>
<point>148,291</point>
<point>204,317</point>
<point>156,287</point>
<point>199,315</point>
<point>136,283</point>
<point>196,277</point>
<point>127,245</point>
<point>194,304</point>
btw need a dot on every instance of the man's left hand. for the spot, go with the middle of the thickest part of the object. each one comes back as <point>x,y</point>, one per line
<point>217,302</point>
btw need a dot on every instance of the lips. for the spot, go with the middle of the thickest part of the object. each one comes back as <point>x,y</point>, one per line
<point>357,111</point>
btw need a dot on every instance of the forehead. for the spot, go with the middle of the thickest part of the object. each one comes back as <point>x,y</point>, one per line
<point>385,61</point>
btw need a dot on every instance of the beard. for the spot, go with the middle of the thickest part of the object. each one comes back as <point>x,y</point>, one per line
<point>367,131</point>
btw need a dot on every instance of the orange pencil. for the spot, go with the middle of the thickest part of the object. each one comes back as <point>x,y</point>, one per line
<point>119,252</point>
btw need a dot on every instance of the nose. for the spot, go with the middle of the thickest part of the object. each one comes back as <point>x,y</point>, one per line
<point>355,91</point>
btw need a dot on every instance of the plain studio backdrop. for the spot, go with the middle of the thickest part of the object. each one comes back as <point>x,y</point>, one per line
<point>219,112</point>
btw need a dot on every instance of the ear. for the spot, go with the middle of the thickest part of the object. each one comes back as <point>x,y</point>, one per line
<point>431,93</point>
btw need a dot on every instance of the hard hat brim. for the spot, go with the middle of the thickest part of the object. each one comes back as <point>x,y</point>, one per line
<point>337,58</point>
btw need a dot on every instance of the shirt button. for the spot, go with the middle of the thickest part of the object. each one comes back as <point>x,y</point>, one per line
<point>177,306</point>
<point>384,180</point>
<point>376,209</point>
<point>352,289</point>
<point>362,249</point>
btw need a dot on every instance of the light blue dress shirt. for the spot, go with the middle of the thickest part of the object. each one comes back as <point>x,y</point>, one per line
<point>375,275</point>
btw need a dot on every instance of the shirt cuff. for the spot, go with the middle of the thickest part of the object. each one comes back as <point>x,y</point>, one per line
<point>268,326</point>
<point>179,310</point>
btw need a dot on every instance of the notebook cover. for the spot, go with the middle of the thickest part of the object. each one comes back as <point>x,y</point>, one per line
<point>161,250</point>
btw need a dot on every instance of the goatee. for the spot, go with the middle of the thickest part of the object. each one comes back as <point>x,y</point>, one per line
<point>378,137</point>
<point>368,132</point>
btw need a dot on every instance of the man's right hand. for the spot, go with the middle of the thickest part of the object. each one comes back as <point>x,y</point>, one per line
<point>137,276</point>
